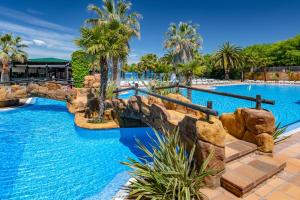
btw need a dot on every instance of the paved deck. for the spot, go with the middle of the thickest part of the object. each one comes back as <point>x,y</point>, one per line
<point>283,186</point>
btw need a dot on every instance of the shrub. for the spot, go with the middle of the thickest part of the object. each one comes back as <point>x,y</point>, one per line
<point>278,131</point>
<point>153,84</point>
<point>173,173</point>
<point>79,67</point>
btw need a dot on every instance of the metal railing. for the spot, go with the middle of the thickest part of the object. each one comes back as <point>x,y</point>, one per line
<point>207,110</point>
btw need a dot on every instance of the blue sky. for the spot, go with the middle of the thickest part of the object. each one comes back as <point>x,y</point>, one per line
<point>50,26</point>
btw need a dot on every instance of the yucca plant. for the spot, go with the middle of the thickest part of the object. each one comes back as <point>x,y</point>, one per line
<point>278,131</point>
<point>172,174</point>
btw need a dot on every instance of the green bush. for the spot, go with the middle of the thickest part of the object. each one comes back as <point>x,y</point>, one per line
<point>80,67</point>
<point>173,173</point>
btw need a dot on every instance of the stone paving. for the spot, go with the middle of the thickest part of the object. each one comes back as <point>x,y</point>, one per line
<point>282,186</point>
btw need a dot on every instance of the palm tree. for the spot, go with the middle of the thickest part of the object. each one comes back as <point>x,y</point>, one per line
<point>182,41</point>
<point>148,62</point>
<point>117,12</point>
<point>11,49</point>
<point>106,41</point>
<point>188,70</point>
<point>227,57</point>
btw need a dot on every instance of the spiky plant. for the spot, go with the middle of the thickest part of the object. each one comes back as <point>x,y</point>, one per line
<point>173,173</point>
<point>278,131</point>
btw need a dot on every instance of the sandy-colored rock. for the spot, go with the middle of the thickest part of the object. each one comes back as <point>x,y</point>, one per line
<point>15,88</point>
<point>145,110</point>
<point>52,86</point>
<point>259,121</point>
<point>249,137</point>
<point>3,93</point>
<point>234,123</point>
<point>152,100</point>
<point>265,142</point>
<point>212,132</point>
<point>92,81</point>
<point>82,122</point>
<point>133,104</point>
<point>204,149</point>
<point>32,86</point>
<point>20,93</point>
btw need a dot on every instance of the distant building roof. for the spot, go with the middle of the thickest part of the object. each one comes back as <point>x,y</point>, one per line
<point>47,60</point>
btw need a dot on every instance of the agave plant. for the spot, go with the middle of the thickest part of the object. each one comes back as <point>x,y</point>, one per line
<point>173,173</point>
<point>278,131</point>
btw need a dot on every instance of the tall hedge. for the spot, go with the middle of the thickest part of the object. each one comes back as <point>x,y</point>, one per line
<point>80,67</point>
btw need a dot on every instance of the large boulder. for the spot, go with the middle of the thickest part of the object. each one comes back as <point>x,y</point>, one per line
<point>3,93</point>
<point>152,100</point>
<point>234,123</point>
<point>218,158</point>
<point>92,81</point>
<point>212,131</point>
<point>52,86</point>
<point>265,142</point>
<point>259,121</point>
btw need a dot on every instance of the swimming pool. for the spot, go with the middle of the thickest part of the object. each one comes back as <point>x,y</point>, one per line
<point>44,156</point>
<point>287,100</point>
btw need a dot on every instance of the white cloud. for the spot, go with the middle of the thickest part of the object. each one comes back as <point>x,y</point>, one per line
<point>29,19</point>
<point>39,42</point>
<point>41,37</point>
<point>27,42</point>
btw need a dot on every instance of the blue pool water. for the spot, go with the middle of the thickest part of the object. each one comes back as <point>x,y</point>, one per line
<point>44,156</point>
<point>287,100</point>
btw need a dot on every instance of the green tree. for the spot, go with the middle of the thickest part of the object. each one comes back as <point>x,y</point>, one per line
<point>106,41</point>
<point>148,62</point>
<point>116,12</point>
<point>182,41</point>
<point>11,49</point>
<point>228,56</point>
<point>79,67</point>
<point>190,69</point>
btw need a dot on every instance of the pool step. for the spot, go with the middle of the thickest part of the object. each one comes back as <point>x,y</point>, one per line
<point>235,149</point>
<point>241,177</point>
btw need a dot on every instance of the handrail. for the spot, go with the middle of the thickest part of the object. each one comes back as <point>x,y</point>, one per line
<point>207,110</point>
<point>258,99</point>
<point>189,105</point>
<point>266,101</point>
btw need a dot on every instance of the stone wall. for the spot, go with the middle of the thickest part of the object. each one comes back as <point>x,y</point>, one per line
<point>251,125</point>
<point>49,90</point>
<point>274,76</point>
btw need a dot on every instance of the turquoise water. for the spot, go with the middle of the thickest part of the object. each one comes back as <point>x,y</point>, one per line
<point>44,156</point>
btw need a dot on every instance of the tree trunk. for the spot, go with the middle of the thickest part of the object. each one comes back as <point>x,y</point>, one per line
<point>242,76</point>
<point>103,85</point>
<point>265,74</point>
<point>115,61</point>
<point>189,91</point>
<point>226,74</point>
<point>5,73</point>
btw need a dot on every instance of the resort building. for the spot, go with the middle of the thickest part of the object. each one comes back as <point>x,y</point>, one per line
<point>41,68</point>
